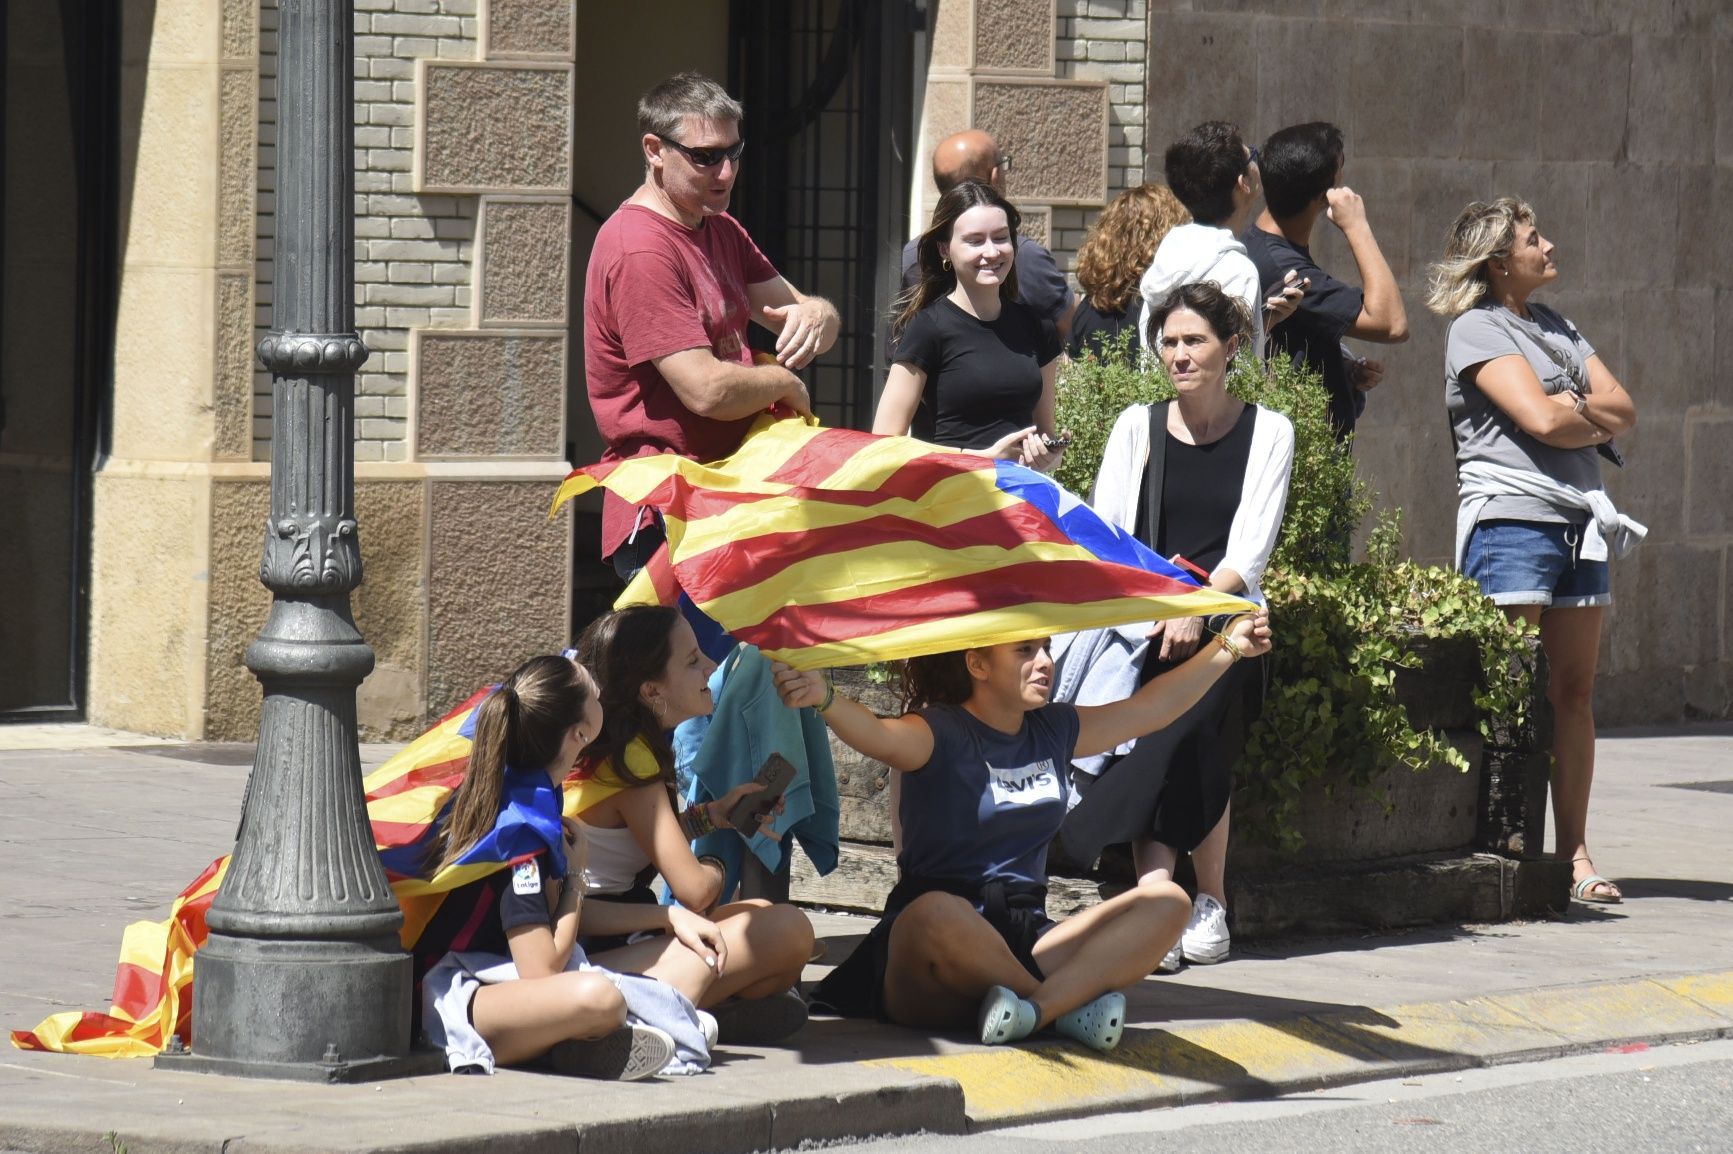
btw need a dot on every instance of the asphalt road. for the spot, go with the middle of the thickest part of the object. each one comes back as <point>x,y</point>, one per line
<point>1669,1100</point>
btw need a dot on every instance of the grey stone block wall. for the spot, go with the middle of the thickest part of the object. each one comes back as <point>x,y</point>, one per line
<point>413,252</point>
<point>1616,122</point>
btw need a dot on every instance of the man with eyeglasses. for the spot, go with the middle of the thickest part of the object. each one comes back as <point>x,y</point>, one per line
<point>1216,177</point>
<point>672,282</point>
<point>974,155</point>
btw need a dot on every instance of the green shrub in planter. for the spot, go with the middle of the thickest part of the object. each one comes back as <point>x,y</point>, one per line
<point>1342,627</point>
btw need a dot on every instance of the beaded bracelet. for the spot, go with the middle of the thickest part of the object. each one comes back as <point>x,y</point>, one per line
<point>695,821</point>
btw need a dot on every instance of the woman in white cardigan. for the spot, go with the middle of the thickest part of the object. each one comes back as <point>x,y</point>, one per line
<point>1203,478</point>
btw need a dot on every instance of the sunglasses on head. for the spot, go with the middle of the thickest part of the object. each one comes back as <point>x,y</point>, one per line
<point>706,157</point>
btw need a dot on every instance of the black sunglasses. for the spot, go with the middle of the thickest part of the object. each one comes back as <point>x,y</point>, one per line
<point>706,157</point>
<point>1253,158</point>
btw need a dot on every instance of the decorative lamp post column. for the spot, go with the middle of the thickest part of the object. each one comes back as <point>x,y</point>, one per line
<point>303,976</point>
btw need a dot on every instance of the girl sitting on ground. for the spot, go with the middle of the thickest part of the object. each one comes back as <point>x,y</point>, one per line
<point>983,754</point>
<point>653,676</point>
<point>510,985</point>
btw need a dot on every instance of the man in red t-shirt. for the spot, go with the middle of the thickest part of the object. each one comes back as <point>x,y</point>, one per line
<point>672,281</point>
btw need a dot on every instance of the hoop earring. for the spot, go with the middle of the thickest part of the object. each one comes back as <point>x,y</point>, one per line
<point>945,263</point>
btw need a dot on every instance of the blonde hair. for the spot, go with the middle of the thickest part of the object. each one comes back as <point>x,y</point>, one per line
<point>1122,243</point>
<point>1484,231</point>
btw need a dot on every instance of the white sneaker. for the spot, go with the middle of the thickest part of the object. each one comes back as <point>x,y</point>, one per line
<point>1172,962</point>
<point>1205,940</point>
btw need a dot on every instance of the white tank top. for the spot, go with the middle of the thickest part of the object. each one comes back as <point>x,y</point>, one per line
<point>615,860</point>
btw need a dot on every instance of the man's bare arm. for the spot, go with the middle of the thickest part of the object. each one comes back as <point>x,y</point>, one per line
<point>804,326</point>
<point>1382,318</point>
<point>724,391</point>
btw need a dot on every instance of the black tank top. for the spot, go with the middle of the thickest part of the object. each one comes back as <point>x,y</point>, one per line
<point>1200,494</point>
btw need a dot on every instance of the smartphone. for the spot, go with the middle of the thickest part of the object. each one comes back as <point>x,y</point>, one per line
<point>775,775</point>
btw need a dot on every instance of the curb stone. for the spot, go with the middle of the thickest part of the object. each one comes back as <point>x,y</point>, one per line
<point>1221,1061</point>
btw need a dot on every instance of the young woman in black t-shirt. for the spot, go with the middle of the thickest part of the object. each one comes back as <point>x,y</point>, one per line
<point>974,368</point>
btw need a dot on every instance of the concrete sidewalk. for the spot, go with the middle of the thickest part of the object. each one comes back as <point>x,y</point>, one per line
<point>101,829</point>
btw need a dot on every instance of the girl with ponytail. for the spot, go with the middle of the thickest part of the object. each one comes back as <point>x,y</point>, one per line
<point>509,985</point>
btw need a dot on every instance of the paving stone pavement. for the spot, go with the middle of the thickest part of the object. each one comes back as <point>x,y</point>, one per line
<point>101,828</point>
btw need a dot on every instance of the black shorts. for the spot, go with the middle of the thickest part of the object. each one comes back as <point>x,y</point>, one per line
<point>856,988</point>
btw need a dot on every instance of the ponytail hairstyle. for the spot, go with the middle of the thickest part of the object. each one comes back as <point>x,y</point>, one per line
<point>937,679</point>
<point>936,279</point>
<point>1484,231</point>
<point>625,649</point>
<point>518,726</point>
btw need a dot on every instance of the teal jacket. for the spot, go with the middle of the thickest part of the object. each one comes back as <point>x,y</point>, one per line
<point>715,754</point>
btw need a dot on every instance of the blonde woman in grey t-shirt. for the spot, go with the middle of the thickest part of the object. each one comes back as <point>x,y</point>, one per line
<point>1530,404</point>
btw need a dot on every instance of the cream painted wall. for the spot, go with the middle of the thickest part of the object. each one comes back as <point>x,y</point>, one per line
<point>151,516</point>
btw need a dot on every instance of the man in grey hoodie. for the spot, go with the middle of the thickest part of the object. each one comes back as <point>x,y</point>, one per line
<point>1216,177</point>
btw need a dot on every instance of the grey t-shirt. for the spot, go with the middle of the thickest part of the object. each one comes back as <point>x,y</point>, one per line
<point>1485,432</point>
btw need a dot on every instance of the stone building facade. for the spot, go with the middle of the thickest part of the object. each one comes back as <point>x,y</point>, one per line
<point>492,136</point>
<point>463,147</point>
<point>1614,120</point>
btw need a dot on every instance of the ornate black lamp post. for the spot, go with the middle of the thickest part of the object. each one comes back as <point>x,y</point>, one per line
<point>302,976</point>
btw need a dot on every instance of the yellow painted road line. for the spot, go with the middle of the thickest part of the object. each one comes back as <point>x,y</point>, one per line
<point>1713,991</point>
<point>1156,1067</point>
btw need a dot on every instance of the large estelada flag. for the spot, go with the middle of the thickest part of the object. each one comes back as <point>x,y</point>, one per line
<point>828,547</point>
<point>407,798</point>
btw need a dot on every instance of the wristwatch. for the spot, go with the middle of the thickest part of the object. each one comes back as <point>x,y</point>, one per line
<point>1579,401</point>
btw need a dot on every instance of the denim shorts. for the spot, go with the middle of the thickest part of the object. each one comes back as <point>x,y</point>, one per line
<point>1535,563</point>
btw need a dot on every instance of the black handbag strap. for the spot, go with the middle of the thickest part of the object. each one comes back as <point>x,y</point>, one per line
<point>1155,470</point>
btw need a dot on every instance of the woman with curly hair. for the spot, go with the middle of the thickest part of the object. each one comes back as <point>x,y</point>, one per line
<point>1120,245</point>
<point>1531,405</point>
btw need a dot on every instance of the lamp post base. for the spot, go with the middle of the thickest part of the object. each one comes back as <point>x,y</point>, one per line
<point>319,1010</point>
<point>415,1064</point>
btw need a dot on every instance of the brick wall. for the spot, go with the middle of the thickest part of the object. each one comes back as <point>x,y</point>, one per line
<point>1104,40</point>
<point>412,252</point>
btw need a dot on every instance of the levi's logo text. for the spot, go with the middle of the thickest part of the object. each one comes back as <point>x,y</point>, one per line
<point>1025,784</point>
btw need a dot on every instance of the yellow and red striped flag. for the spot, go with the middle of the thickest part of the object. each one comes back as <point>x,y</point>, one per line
<point>828,547</point>
<point>406,797</point>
